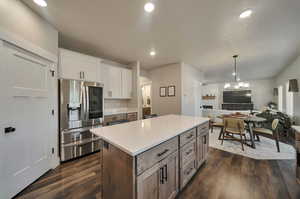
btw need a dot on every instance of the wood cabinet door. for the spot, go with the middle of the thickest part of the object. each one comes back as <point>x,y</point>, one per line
<point>203,147</point>
<point>148,183</point>
<point>205,141</point>
<point>199,151</point>
<point>170,170</point>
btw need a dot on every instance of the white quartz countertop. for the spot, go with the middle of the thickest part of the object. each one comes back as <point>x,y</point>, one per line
<point>139,136</point>
<point>119,111</point>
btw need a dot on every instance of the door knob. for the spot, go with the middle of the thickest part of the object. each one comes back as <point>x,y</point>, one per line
<point>9,130</point>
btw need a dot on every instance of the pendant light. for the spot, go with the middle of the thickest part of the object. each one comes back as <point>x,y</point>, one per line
<point>237,79</point>
<point>235,74</point>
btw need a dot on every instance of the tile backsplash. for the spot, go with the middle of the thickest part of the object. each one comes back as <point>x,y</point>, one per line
<point>115,103</point>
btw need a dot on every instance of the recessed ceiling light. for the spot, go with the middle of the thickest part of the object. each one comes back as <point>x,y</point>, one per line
<point>41,3</point>
<point>233,74</point>
<point>246,14</point>
<point>152,53</point>
<point>149,7</point>
<point>238,79</point>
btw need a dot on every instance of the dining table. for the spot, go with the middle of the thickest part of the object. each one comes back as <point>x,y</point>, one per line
<point>250,120</point>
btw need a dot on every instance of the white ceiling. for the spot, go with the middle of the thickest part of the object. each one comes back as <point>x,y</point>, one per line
<point>203,33</point>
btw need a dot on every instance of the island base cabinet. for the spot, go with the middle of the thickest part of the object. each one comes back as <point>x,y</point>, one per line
<point>160,181</point>
<point>118,173</point>
<point>202,148</point>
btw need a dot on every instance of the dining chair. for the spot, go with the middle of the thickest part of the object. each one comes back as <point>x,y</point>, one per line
<point>213,123</point>
<point>269,132</point>
<point>232,127</point>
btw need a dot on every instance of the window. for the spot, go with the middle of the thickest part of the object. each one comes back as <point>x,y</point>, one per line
<point>280,98</point>
<point>289,101</point>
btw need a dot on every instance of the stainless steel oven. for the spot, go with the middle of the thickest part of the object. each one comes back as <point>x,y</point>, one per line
<point>81,108</point>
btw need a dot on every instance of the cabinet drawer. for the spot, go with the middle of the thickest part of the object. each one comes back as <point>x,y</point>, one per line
<point>187,172</point>
<point>154,155</point>
<point>132,116</point>
<point>67,138</point>
<point>188,153</point>
<point>112,118</point>
<point>202,129</point>
<point>187,136</point>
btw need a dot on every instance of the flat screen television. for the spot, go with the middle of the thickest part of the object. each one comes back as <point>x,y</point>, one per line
<point>241,96</point>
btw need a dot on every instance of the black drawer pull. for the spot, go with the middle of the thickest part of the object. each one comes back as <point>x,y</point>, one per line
<point>161,177</point>
<point>166,173</point>
<point>162,153</point>
<point>190,136</point>
<point>189,171</point>
<point>190,151</point>
<point>9,130</point>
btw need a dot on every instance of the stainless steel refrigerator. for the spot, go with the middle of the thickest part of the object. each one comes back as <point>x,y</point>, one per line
<point>81,108</point>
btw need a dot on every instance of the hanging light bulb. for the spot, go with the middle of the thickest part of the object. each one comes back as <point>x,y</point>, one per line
<point>227,85</point>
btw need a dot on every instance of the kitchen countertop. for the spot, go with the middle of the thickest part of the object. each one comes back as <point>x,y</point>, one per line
<point>138,136</point>
<point>119,111</point>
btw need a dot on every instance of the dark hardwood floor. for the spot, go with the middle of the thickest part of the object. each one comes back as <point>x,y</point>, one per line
<point>75,179</point>
<point>225,175</point>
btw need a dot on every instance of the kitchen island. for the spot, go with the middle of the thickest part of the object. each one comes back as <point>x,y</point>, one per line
<point>153,158</point>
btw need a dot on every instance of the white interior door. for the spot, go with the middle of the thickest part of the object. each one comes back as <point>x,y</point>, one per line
<point>25,107</point>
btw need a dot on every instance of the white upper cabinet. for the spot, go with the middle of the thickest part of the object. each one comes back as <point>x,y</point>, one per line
<point>117,82</point>
<point>73,65</point>
<point>126,83</point>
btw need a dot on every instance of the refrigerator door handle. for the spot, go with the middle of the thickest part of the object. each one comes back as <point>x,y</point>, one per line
<point>87,102</point>
<point>83,101</point>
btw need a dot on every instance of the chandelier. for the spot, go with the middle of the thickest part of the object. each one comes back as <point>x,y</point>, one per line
<point>237,84</point>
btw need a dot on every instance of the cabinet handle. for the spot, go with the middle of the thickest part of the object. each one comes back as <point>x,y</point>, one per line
<point>190,136</point>
<point>162,153</point>
<point>189,171</point>
<point>190,151</point>
<point>161,177</point>
<point>166,173</point>
<point>9,130</point>
<point>205,139</point>
<point>83,75</point>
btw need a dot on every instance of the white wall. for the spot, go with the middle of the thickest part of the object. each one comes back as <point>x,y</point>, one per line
<point>135,101</point>
<point>17,18</point>
<point>262,92</point>
<point>191,78</point>
<point>290,72</point>
<point>165,76</point>
<point>212,90</point>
